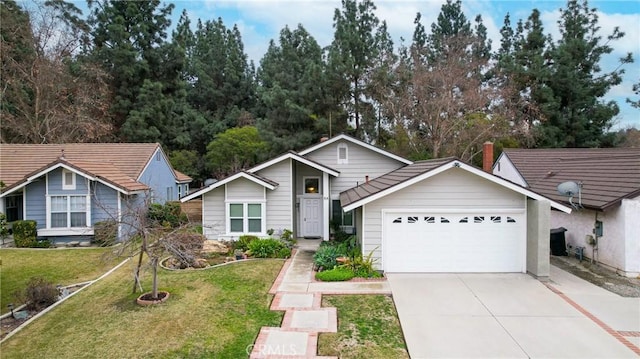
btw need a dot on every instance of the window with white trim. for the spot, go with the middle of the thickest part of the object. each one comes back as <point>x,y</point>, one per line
<point>179,191</point>
<point>246,218</point>
<point>343,153</point>
<point>68,180</point>
<point>68,211</point>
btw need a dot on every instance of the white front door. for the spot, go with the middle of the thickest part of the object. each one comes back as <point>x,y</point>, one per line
<point>311,221</point>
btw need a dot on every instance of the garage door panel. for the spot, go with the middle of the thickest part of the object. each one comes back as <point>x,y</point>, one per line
<point>445,242</point>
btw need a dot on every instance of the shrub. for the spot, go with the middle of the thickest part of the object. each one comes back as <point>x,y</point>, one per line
<point>284,253</point>
<point>266,248</point>
<point>325,257</point>
<point>39,294</point>
<point>287,237</point>
<point>335,275</point>
<point>4,227</point>
<point>168,215</point>
<point>243,242</point>
<point>105,233</point>
<point>362,267</point>
<point>25,233</point>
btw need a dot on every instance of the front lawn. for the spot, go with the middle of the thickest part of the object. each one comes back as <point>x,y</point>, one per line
<point>59,266</point>
<point>212,313</point>
<point>368,327</point>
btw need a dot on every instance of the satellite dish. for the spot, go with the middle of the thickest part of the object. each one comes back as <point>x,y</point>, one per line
<point>570,189</point>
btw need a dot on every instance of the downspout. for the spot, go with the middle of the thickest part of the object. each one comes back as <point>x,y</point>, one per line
<point>594,249</point>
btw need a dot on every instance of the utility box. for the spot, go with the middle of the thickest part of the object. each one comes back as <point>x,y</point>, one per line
<point>557,242</point>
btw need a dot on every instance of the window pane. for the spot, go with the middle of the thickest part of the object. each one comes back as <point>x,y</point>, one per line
<point>59,204</point>
<point>58,220</point>
<point>336,212</point>
<point>255,225</point>
<point>342,153</point>
<point>78,219</point>
<point>255,210</point>
<point>236,225</point>
<point>78,203</point>
<point>68,178</point>
<point>311,185</point>
<point>235,210</point>
<point>348,219</point>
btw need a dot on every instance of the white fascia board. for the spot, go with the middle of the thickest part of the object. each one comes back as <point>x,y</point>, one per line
<point>225,181</point>
<point>296,158</point>
<point>357,142</point>
<point>468,168</point>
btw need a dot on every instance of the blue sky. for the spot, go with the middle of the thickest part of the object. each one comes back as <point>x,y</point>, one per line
<point>261,20</point>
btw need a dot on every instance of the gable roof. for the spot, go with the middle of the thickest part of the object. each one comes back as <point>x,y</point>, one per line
<point>120,164</point>
<point>292,155</point>
<point>419,171</point>
<point>265,182</point>
<point>357,142</point>
<point>608,175</point>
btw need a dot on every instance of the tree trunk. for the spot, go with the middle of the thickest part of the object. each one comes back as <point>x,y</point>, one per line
<point>154,266</point>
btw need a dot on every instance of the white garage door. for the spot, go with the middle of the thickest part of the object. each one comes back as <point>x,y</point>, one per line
<point>460,242</point>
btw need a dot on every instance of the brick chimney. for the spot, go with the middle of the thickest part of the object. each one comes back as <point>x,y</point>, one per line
<point>487,156</point>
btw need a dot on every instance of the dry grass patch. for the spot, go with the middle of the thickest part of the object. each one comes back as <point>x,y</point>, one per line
<point>368,327</point>
<point>59,266</point>
<point>214,313</point>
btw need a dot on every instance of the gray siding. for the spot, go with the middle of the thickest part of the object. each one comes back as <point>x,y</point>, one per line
<point>213,213</point>
<point>280,202</point>
<point>242,189</point>
<point>453,189</point>
<point>362,162</point>
<point>35,202</point>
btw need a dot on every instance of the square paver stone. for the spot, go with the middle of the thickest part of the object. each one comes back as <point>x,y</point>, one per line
<point>310,319</point>
<point>296,300</point>
<point>284,343</point>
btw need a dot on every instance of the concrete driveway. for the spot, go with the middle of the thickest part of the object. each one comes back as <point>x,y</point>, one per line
<point>496,316</point>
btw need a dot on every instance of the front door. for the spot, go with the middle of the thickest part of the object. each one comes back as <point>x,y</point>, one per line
<point>311,217</point>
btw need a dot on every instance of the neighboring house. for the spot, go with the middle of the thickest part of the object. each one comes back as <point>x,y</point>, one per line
<point>610,197</point>
<point>67,188</point>
<point>430,216</point>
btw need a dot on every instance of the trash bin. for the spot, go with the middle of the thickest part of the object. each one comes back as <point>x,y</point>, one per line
<point>558,244</point>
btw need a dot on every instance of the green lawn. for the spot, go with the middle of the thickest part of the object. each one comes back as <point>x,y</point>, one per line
<point>59,266</point>
<point>214,313</point>
<point>368,327</point>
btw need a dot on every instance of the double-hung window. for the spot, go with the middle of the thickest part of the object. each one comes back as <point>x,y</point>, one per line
<point>246,218</point>
<point>68,211</point>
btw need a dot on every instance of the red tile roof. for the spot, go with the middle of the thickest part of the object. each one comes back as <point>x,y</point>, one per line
<point>608,175</point>
<point>117,163</point>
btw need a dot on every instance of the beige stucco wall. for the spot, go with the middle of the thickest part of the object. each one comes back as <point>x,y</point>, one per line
<point>619,246</point>
<point>538,246</point>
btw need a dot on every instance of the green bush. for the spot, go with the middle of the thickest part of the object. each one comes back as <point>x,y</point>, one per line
<point>4,227</point>
<point>267,248</point>
<point>105,233</point>
<point>325,257</point>
<point>25,234</point>
<point>168,215</point>
<point>335,275</point>
<point>287,237</point>
<point>284,253</point>
<point>243,242</point>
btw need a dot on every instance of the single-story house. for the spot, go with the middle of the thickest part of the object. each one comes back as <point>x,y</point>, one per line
<point>607,209</point>
<point>430,216</point>
<point>67,188</point>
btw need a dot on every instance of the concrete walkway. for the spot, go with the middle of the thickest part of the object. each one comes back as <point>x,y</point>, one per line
<point>300,296</point>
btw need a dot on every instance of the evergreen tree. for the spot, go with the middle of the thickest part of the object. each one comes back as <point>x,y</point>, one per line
<point>351,57</point>
<point>576,115</point>
<point>291,91</point>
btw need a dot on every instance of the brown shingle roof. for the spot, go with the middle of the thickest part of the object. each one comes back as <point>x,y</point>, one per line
<point>607,174</point>
<point>118,163</point>
<point>390,179</point>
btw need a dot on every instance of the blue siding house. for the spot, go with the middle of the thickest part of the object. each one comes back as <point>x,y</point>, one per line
<point>67,188</point>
